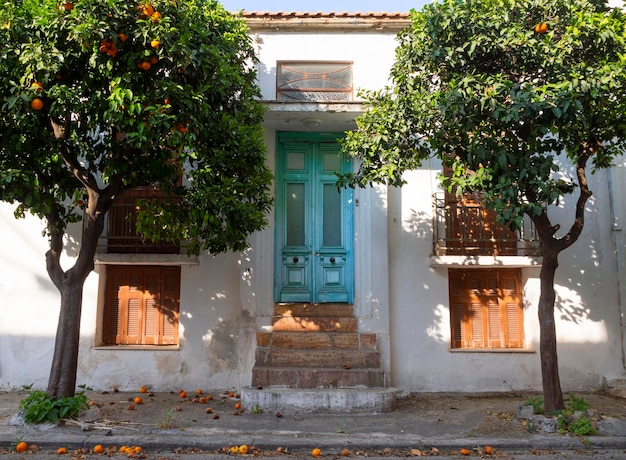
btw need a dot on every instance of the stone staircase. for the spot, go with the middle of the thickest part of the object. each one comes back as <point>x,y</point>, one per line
<point>315,360</point>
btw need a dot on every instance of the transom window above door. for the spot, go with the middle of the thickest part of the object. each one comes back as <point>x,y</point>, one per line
<point>314,81</point>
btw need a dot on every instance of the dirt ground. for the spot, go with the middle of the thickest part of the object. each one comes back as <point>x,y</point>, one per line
<point>499,408</point>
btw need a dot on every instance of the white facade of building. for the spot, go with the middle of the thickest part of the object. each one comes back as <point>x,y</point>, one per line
<point>400,287</point>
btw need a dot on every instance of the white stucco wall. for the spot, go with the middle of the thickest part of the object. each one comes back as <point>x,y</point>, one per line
<point>216,333</point>
<point>399,294</point>
<point>587,309</point>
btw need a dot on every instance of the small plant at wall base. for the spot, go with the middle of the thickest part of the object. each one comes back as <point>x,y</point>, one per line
<point>537,404</point>
<point>40,407</point>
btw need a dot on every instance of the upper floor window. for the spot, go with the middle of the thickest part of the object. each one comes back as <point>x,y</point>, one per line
<point>314,81</point>
<point>122,236</point>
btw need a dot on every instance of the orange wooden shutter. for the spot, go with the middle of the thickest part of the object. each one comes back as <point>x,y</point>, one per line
<point>486,308</point>
<point>142,305</point>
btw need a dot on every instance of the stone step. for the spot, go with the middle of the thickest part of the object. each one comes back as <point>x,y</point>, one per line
<point>317,340</point>
<point>342,359</point>
<point>315,324</point>
<point>298,377</point>
<point>308,309</point>
<point>321,401</point>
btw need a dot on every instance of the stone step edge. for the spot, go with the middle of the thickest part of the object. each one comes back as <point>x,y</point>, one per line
<point>320,400</point>
<point>318,368</point>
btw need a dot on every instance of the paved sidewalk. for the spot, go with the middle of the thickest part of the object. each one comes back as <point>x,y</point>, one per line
<point>165,422</point>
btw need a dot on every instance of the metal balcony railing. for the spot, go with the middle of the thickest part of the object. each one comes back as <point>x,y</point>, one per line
<point>121,234</point>
<point>462,226</point>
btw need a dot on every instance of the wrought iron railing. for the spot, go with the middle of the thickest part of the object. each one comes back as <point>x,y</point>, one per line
<point>463,226</point>
<point>121,234</point>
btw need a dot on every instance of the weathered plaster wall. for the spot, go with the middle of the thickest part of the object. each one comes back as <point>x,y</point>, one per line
<point>216,333</point>
<point>399,293</point>
<point>371,53</point>
<point>587,311</point>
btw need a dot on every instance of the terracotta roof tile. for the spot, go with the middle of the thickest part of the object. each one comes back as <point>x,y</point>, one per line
<point>320,14</point>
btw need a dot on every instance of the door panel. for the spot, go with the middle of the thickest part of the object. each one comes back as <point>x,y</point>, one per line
<point>313,221</point>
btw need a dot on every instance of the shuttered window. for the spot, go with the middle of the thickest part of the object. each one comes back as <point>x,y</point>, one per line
<point>486,308</point>
<point>141,305</point>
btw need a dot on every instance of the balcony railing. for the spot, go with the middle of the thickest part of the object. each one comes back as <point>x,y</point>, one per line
<point>464,227</point>
<point>122,234</point>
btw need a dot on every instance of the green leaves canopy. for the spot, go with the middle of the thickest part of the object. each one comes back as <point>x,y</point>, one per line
<point>134,94</point>
<point>477,86</point>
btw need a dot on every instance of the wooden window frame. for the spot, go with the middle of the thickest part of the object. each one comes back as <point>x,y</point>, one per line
<point>142,305</point>
<point>486,309</point>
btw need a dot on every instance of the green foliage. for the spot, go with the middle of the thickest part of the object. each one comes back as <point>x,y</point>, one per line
<point>477,87</point>
<point>39,407</point>
<point>537,403</point>
<point>121,110</point>
<point>567,420</point>
<point>582,426</point>
<point>576,404</point>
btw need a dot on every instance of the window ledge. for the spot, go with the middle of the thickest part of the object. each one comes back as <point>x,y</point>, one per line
<point>485,261</point>
<point>137,348</point>
<point>492,350</point>
<point>144,259</point>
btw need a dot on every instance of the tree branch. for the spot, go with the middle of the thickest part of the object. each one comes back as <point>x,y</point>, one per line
<point>589,149</point>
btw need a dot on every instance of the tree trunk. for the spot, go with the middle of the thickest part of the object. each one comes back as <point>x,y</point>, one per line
<point>62,380</point>
<point>552,395</point>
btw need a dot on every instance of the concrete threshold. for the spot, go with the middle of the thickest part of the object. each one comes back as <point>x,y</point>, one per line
<point>319,400</point>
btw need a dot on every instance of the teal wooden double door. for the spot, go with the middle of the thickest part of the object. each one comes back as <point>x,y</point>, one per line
<point>314,221</point>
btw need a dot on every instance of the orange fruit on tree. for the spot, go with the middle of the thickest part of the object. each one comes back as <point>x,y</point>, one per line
<point>155,17</point>
<point>316,452</point>
<point>144,65</point>
<point>21,447</point>
<point>62,450</point>
<point>155,43</point>
<point>541,28</point>
<point>122,37</point>
<point>148,10</point>
<point>36,104</point>
<point>36,86</point>
<point>154,60</point>
<point>98,449</point>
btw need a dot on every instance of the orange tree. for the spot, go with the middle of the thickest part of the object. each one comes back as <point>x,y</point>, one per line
<point>99,96</point>
<point>521,99</point>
